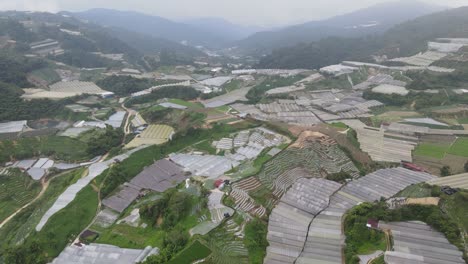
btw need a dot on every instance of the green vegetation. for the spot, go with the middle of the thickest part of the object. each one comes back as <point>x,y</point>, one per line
<point>103,142</point>
<point>460,147</point>
<point>405,39</point>
<point>195,251</point>
<point>431,150</point>
<point>124,85</point>
<point>361,240</point>
<point>190,105</point>
<point>358,236</point>
<point>13,107</point>
<point>232,85</point>
<point>60,148</point>
<point>340,177</point>
<point>23,224</point>
<point>16,190</point>
<point>426,80</point>
<point>255,240</point>
<point>445,171</point>
<point>256,93</point>
<point>65,225</point>
<point>47,74</point>
<point>169,210</point>
<point>82,59</point>
<point>420,191</point>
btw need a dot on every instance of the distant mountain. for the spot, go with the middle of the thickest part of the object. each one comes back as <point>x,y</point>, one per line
<point>154,26</point>
<point>223,28</point>
<point>375,19</point>
<point>404,39</point>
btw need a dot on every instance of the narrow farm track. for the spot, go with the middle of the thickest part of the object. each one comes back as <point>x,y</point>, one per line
<point>45,185</point>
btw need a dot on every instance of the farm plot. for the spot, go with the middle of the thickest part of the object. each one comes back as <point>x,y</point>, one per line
<point>455,181</point>
<point>227,245</point>
<point>204,165</point>
<point>196,251</point>
<point>459,147</point>
<point>380,145</point>
<point>153,135</point>
<point>16,190</point>
<point>325,239</point>
<point>418,241</point>
<point>71,192</point>
<point>63,89</point>
<point>290,219</point>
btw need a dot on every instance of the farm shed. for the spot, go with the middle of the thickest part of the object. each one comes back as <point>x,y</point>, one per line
<point>416,242</point>
<point>102,254</point>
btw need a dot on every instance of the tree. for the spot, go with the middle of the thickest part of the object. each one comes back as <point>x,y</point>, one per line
<point>466,166</point>
<point>445,171</point>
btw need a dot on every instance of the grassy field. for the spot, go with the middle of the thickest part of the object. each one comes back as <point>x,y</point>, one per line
<point>23,224</point>
<point>460,147</point>
<point>232,85</point>
<point>463,120</point>
<point>60,148</point>
<point>16,190</point>
<point>431,150</point>
<point>65,225</point>
<point>47,74</point>
<point>457,209</point>
<point>196,251</point>
<point>190,105</point>
<point>416,191</point>
<point>131,237</point>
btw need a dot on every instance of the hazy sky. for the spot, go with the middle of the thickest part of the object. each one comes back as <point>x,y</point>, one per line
<point>246,12</point>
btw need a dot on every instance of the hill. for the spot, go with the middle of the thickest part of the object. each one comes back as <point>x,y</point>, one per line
<point>401,40</point>
<point>151,25</point>
<point>223,28</point>
<point>375,19</point>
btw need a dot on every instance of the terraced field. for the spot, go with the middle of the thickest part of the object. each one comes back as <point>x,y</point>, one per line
<point>16,190</point>
<point>226,244</point>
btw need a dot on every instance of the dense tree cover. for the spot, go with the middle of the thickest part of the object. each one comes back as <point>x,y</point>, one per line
<point>31,253</point>
<point>426,80</point>
<point>255,240</point>
<point>356,219</point>
<point>12,107</point>
<point>417,100</point>
<point>174,241</point>
<point>177,92</point>
<point>14,67</point>
<point>358,235</point>
<point>16,31</point>
<point>83,59</point>
<point>257,92</point>
<point>340,177</point>
<point>169,209</point>
<point>405,39</point>
<point>445,171</point>
<point>124,85</point>
<point>324,52</point>
<point>103,142</point>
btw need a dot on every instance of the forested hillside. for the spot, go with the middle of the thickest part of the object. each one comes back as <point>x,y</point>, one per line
<point>402,40</point>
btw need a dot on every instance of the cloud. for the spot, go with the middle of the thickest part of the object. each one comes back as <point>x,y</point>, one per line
<point>30,5</point>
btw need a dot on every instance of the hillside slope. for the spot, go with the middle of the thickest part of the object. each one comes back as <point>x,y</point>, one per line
<point>151,25</point>
<point>375,19</point>
<point>402,40</point>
